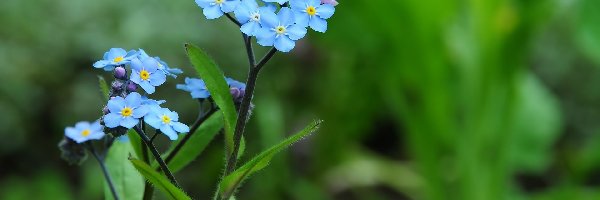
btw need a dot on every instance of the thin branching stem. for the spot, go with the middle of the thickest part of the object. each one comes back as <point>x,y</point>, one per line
<point>195,126</point>
<point>92,150</point>
<point>156,154</point>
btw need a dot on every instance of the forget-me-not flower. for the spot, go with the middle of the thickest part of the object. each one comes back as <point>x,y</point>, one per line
<point>196,87</point>
<point>145,73</point>
<point>213,9</point>
<point>312,13</point>
<point>279,30</point>
<point>115,57</point>
<point>237,89</point>
<point>84,131</point>
<point>248,13</point>
<point>125,112</point>
<point>167,122</point>
<point>162,65</point>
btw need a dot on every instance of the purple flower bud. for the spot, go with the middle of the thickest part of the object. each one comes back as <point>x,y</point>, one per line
<point>117,85</point>
<point>132,87</point>
<point>120,73</point>
<point>331,2</point>
<point>235,92</point>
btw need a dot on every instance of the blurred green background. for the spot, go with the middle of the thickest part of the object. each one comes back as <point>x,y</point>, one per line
<point>437,99</point>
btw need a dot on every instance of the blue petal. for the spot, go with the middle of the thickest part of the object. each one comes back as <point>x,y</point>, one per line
<point>325,11</point>
<point>136,64</point>
<point>133,100</point>
<point>242,13</point>
<point>71,132</point>
<point>200,94</point>
<point>172,114</point>
<point>112,120</point>
<point>298,5</point>
<point>95,135</point>
<point>180,127</point>
<point>168,130</point>
<point>150,64</point>
<point>204,3</point>
<point>101,63</point>
<point>141,111</point>
<point>116,104</point>
<point>183,87</point>
<point>129,122</point>
<point>142,54</point>
<point>158,78</point>
<point>174,70</point>
<point>80,126</point>
<point>296,32</point>
<point>265,36</point>
<point>284,44</point>
<point>212,12</point>
<point>318,24</point>
<point>229,6</point>
<point>301,18</point>
<point>116,52</point>
<point>250,28</point>
<point>153,120</point>
<point>286,16</point>
<point>96,126</point>
<point>314,3</point>
<point>135,77</point>
<point>147,87</point>
<point>269,20</point>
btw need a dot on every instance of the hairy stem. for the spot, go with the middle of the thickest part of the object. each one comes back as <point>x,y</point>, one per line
<point>156,155</point>
<point>104,171</point>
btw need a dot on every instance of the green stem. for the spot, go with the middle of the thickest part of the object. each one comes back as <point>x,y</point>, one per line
<point>156,155</point>
<point>104,171</point>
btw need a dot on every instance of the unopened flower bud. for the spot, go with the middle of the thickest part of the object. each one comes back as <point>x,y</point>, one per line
<point>117,85</point>
<point>131,87</point>
<point>235,92</point>
<point>120,73</point>
<point>331,2</point>
<point>71,151</point>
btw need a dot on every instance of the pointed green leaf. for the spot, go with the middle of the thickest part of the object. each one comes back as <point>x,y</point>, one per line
<point>128,183</point>
<point>231,182</point>
<point>103,87</point>
<point>136,143</point>
<point>219,90</point>
<point>159,181</point>
<point>196,143</point>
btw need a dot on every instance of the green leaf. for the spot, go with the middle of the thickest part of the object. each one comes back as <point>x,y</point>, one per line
<point>231,182</point>
<point>196,143</point>
<point>158,180</point>
<point>103,87</point>
<point>218,88</point>
<point>136,143</point>
<point>128,183</point>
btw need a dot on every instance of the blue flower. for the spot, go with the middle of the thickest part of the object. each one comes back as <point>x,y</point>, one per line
<point>281,2</point>
<point>196,87</point>
<point>213,9</point>
<point>146,74</point>
<point>167,122</point>
<point>84,131</point>
<point>279,30</point>
<point>115,57</point>
<point>312,13</point>
<point>162,65</point>
<point>248,13</point>
<point>125,112</point>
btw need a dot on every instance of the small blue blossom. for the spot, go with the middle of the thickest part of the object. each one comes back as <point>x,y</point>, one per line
<point>167,122</point>
<point>196,87</point>
<point>162,65</point>
<point>84,131</point>
<point>115,57</point>
<point>125,112</point>
<point>279,30</point>
<point>312,13</point>
<point>213,9</point>
<point>248,13</point>
<point>235,84</point>
<point>145,73</point>
<point>280,2</point>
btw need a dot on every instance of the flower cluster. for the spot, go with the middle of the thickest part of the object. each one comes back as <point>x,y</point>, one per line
<point>277,23</point>
<point>198,90</point>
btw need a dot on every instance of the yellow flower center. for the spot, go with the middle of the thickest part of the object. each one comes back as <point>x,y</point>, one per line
<point>118,59</point>
<point>126,112</point>
<point>166,119</point>
<point>280,30</point>
<point>311,10</point>
<point>85,132</point>
<point>219,2</point>
<point>144,75</point>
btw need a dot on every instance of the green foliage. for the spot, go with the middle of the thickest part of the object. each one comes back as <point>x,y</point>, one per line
<point>127,182</point>
<point>103,88</point>
<point>159,181</point>
<point>219,90</point>
<point>197,142</point>
<point>136,143</point>
<point>232,181</point>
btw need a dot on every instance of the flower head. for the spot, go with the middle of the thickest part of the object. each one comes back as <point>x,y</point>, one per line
<point>125,112</point>
<point>84,131</point>
<point>162,65</point>
<point>213,9</point>
<point>248,13</point>
<point>146,74</point>
<point>115,57</point>
<point>167,122</point>
<point>312,13</point>
<point>279,30</point>
<point>196,87</point>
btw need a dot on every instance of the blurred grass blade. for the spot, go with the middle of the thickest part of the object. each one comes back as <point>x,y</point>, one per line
<point>158,180</point>
<point>197,142</point>
<point>219,90</point>
<point>136,143</point>
<point>103,87</point>
<point>231,182</point>
<point>128,183</point>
